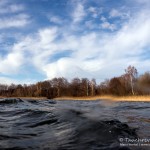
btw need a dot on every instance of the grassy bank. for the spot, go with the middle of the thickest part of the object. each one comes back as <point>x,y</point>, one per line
<point>109,97</point>
<point>104,97</point>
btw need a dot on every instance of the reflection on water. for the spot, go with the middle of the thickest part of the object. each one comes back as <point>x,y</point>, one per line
<point>71,125</point>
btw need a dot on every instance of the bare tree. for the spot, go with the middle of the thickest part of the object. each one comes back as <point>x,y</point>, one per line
<point>93,85</point>
<point>144,83</point>
<point>131,74</point>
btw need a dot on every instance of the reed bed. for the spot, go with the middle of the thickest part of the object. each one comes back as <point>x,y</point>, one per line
<point>108,97</point>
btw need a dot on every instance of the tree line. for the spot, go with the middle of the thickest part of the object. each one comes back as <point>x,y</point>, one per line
<point>127,84</point>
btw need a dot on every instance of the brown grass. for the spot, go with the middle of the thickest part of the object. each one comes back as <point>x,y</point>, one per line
<point>1,96</point>
<point>109,97</point>
<point>104,97</point>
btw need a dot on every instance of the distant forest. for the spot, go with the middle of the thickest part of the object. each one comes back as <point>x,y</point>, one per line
<point>127,84</point>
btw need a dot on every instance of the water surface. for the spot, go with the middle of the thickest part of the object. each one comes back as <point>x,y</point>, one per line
<point>72,125</point>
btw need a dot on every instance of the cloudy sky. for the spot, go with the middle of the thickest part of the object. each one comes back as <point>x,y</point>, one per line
<point>43,39</point>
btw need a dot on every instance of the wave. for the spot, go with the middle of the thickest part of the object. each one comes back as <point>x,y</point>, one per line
<point>35,125</point>
<point>10,100</point>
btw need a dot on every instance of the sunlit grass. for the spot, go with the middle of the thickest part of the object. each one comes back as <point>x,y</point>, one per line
<point>103,97</point>
<point>108,97</point>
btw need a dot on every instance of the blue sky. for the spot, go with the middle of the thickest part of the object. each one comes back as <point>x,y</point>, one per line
<point>98,39</point>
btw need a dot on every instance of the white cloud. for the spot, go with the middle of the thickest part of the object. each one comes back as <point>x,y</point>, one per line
<point>107,25</point>
<point>11,63</point>
<point>47,35</point>
<point>92,9</point>
<point>92,54</point>
<point>115,13</point>
<point>95,11</point>
<point>78,13</point>
<point>38,47</point>
<point>119,13</point>
<point>11,8</point>
<point>11,15</point>
<point>97,54</point>
<point>14,21</point>
<point>55,19</point>
<point>16,8</point>
<point>103,19</point>
<point>90,24</point>
<point>9,81</point>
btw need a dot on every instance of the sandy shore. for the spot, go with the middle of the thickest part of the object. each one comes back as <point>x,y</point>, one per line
<point>111,98</point>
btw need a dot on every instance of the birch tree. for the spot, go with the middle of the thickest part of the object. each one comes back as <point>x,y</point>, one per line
<point>131,74</point>
<point>93,85</point>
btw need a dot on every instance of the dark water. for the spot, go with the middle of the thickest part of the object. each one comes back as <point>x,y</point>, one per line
<point>72,125</point>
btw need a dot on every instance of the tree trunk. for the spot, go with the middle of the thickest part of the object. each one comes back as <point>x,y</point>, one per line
<point>92,89</point>
<point>87,89</point>
<point>58,92</point>
<point>132,85</point>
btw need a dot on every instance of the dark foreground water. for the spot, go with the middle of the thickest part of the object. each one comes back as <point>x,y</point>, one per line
<point>73,125</point>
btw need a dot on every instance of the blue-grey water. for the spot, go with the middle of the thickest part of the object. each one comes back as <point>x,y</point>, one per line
<point>73,125</point>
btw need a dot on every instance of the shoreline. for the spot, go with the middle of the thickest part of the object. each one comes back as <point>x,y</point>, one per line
<point>104,97</point>
<point>26,98</point>
<point>108,98</point>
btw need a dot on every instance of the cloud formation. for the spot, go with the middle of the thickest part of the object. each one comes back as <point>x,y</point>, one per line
<point>100,46</point>
<point>92,53</point>
<point>20,20</point>
<point>78,13</point>
<point>13,8</point>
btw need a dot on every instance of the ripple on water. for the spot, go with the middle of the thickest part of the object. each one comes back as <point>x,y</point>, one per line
<point>67,125</point>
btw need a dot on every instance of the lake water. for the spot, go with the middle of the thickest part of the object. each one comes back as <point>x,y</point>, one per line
<point>74,125</point>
